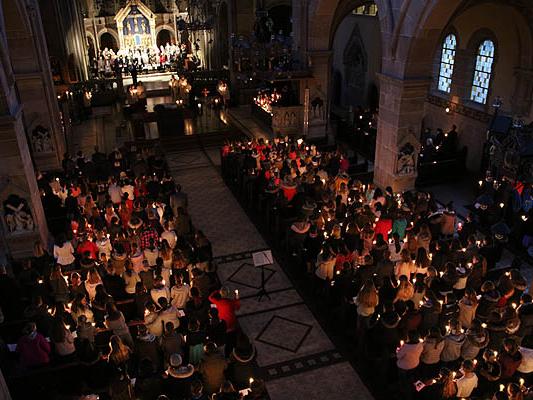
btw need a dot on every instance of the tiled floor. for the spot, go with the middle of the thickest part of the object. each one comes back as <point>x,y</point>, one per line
<point>295,356</point>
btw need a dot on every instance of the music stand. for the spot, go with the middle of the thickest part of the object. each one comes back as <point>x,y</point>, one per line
<point>262,258</point>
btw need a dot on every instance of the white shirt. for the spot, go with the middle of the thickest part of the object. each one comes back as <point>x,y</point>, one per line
<point>104,246</point>
<point>180,295</point>
<point>170,237</point>
<point>115,192</point>
<point>131,281</point>
<point>129,190</point>
<point>158,293</point>
<point>466,385</point>
<point>64,255</point>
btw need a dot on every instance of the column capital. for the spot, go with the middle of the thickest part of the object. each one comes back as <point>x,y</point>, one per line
<point>404,82</point>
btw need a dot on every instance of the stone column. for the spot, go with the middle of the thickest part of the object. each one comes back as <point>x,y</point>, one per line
<point>401,108</point>
<point>462,76</point>
<point>29,58</point>
<point>523,93</point>
<point>17,178</point>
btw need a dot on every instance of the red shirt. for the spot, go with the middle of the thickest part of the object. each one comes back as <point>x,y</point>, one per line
<point>226,310</point>
<point>289,192</point>
<point>383,226</point>
<point>89,246</point>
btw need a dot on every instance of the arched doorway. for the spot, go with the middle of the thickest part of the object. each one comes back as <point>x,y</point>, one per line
<point>91,49</point>
<point>107,40</point>
<point>281,17</point>
<point>163,37</point>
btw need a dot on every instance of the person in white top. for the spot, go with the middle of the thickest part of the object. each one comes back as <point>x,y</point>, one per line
<point>325,265</point>
<point>128,188</point>
<point>130,278</point>
<point>64,252</point>
<point>115,192</point>
<point>405,266</point>
<point>93,280</point>
<point>159,290</point>
<point>468,382</point>
<point>180,293</point>
<point>104,244</point>
<point>137,257</point>
<point>169,235</point>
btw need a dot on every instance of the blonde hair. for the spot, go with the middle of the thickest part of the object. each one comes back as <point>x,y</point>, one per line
<point>368,295</point>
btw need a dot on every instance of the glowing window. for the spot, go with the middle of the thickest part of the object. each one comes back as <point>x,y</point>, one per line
<point>447,61</point>
<point>482,72</point>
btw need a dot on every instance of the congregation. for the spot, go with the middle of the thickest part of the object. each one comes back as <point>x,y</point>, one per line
<point>126,302</point>
<point>433,312</point>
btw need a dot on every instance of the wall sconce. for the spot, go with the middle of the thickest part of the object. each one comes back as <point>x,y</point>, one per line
<point>447,110</point>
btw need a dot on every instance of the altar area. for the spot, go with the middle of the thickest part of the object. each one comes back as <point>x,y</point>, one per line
<point>138,39</point>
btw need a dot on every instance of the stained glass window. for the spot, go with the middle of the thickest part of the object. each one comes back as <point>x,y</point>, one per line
<point>482,72</point>
<point>447,61</point>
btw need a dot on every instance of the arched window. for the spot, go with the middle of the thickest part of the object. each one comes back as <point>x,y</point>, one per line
<point>446,63</point>
<point>482,72</point>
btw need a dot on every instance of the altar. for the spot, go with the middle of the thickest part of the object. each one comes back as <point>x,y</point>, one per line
<point>136,26</point>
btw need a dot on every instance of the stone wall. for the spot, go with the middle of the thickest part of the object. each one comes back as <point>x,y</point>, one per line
<point>353,32</point>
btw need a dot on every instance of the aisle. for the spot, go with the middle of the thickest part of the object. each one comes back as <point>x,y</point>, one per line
<point>296,357</point>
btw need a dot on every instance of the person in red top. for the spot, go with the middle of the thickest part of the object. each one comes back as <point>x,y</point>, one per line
<point>33,348</point>
<point>226,311</point>
<point>383,226</point>
<point>510,358</point>
<point>88,245</point>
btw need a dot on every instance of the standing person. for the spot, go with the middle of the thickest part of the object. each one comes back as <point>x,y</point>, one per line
<point>180,293</point>
<point>468,382</point>
<point>117,323</point>
<point>407,360</point>
<point>226,310</point>
<point>64,253</point>
<point>212,367</point>
<point>58,284</point>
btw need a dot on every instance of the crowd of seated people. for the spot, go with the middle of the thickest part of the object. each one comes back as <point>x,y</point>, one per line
<point>127,295</point>
<point>507,204</point>
<point>432,315</point>
<point>439,145</point>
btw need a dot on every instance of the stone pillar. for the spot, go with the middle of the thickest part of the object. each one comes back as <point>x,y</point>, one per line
<point>401,109</point>
<point>29,58</point>
<point>462,76</point>
<point>17,178</point>
<point>320,64</point>
<point>523,92</point>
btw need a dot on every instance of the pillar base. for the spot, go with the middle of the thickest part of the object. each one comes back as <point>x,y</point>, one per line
<point>21,244</point>
<point>398,183</point>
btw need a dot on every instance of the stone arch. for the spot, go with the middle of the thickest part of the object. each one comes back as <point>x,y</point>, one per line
<point>328,14</point>
<point>112,32</point>
<point>92,47</point>
<point>163,37</point>
<point>281,14</point>
<point>173,36</point>
<point>417,35</point>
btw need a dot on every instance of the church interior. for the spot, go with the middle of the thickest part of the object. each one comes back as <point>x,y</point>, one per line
<point>266,199</point>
